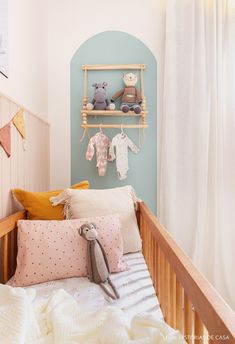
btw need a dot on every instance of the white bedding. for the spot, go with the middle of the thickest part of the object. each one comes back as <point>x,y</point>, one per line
<point>134,286</point>
<point>75,311</point>
<point>59,320</point>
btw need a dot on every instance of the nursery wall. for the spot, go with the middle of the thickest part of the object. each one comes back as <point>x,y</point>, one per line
<point>27,169</point>
<point>27,45</point>
<point>115,47</point>
<point>68,27</point>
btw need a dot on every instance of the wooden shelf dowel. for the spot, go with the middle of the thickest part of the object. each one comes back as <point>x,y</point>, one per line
<point>112,113</point>
<point>114,67</point>
<point>116,126</point>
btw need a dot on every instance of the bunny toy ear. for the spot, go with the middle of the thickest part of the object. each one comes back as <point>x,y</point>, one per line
<point>94,84</point>
<point>80,230</point>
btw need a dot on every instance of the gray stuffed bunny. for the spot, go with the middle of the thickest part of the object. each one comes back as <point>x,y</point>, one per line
<point>97,264</point>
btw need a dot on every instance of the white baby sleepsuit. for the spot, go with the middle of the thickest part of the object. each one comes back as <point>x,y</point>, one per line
<point>121,142</point>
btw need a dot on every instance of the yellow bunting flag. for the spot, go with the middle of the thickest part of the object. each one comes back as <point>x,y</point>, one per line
<point>18,121</point>
<point>5,138</point>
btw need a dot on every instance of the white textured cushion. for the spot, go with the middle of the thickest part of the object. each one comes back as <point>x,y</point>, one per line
<point>85,203</point>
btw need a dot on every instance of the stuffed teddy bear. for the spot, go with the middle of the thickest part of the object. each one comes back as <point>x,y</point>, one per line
<point>100,100</point>
<point>97,264</point>
<point>131,99</point>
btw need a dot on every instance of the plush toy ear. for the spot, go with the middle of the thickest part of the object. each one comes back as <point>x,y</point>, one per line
<point>95,84</point>
<point>80,230</point>
<point>94,225</point>
<point>105,83</point>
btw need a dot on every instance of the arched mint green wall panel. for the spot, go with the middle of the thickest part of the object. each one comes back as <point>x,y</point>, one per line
<point>115,47</point>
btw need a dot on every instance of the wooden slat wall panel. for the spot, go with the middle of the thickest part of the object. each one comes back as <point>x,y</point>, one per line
<point>27,169</point>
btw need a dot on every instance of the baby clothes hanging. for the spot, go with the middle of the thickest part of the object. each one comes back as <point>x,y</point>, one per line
<point>121,142</point>
<point>102,144</point>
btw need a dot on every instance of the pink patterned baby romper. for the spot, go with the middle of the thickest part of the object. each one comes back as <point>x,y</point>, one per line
<point>102,143</point>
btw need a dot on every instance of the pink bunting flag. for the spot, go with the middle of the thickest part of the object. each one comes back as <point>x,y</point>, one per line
<point>5,138</point>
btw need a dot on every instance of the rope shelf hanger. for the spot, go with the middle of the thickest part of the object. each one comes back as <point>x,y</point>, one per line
<point>114,113</point>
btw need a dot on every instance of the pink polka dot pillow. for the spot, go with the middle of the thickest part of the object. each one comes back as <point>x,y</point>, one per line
<point>50,250</point>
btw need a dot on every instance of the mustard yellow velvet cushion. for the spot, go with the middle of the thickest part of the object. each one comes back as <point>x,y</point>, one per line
<point>38,205</point>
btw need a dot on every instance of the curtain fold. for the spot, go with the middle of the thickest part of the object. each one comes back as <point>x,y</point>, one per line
<point>196,151</point>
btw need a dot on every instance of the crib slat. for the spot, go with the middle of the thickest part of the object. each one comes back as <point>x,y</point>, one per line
<point>159,276</point>
<point>149,250</point>
<point>5,258</point>
<point>156,266</point>
<point>142,233</point>
<point>154,261</point>
<point>152,258</point>
<point>179,307</point>
<point>146,243</point>
<point>188,316</point>
<point>150,254</point>
<point>172,318</point>
<point>167,291</point>
<point>164,288</point>
<point>198,329</point>
<point>162,282</point>
<point>12,252</point>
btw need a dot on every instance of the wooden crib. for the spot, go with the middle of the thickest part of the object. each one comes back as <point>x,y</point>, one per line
<point>188,301</point>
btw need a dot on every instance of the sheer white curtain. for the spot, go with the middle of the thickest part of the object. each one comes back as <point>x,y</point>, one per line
<point>196,141</point>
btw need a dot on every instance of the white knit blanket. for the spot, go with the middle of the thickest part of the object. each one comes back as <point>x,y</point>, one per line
<point>59,320</point>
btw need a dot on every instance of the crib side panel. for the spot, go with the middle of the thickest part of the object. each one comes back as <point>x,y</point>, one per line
<point>188,301</point>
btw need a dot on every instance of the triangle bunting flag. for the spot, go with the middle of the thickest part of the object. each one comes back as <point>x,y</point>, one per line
<point>5,138</point>
<point>18,121</point>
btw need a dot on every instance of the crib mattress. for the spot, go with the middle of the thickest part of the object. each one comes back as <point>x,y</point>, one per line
<point>134,286</point>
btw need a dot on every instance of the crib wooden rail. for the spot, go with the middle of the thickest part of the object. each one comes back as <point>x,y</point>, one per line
<point>188,301</point>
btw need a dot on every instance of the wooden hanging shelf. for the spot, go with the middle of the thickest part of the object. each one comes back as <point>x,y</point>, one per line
<point>114,113</point>
<point>111,113</point>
